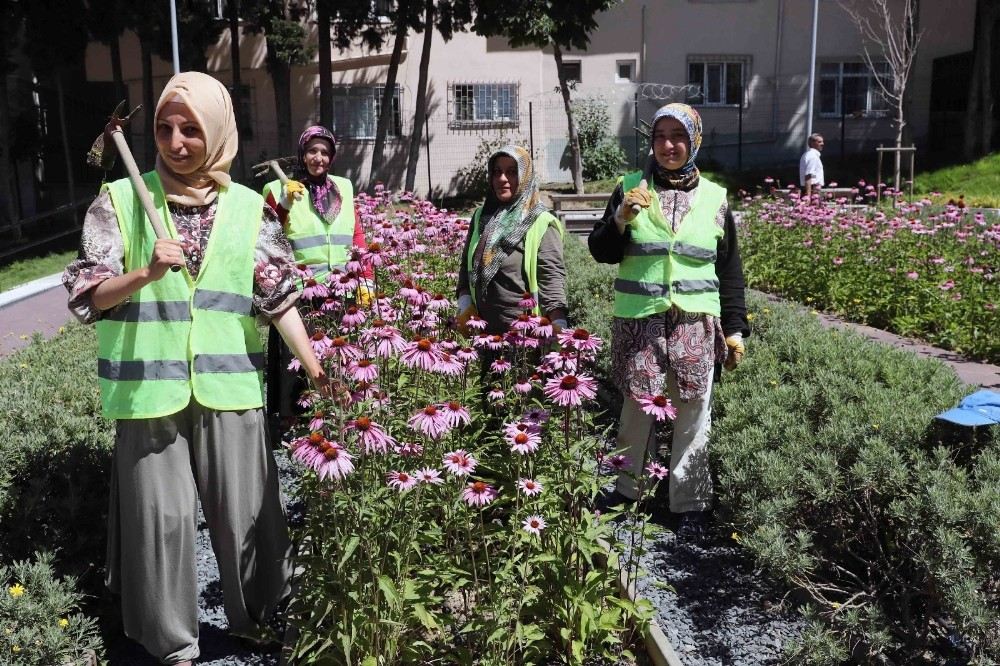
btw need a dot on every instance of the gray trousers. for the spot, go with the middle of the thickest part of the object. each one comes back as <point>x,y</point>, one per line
<point>690,474</point>
<point>161,467</point>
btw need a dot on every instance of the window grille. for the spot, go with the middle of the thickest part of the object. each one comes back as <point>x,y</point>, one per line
<point>717,80</point>
<point>472,105</point>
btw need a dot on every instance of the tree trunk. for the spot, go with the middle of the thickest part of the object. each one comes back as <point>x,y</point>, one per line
<point>149,108</point>
<point>421,112</point>
<point>8,213</point>
<point>574,137</point>
<point>979,110</point>
<point>233,8</point>
<point>281,80</point>
<point>900,124</point>
<point>325,81</point>
<point>385,115</point>
<point>64,135</point>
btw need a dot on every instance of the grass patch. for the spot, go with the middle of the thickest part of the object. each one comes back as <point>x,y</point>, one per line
<point>26,270</point>
<point>978,182</point>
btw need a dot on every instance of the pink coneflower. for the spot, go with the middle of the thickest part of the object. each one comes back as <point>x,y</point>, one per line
<point>417,296</point>
<point>837,261</point>
<point>579,338</point>
<point>496,394</point>
<point>512,429</point>
<point>319,342</point>
<point>533,525</point>
<point>481,341</point>
<point>438,302</point>
<point>496,342</point>
<point>409,450</point>
<point>658,406</point>
<point>524,442</point>
<point>374,256</point>
<point>616,462</point>
<point>543,328</point>
<point>478,493</point>
<point>530,487</point>
<point>455,413</point>
<point>912,275</point>
<point>402,481</point>
<point>527,301</point>
<point>523,386</point>
<point>945,286</point>
<point>459,463</point>
<point>313,289</point>
<point>570,390</point>
<point>500,366</point>
<point>362,370</point>
<point>329,305</point>
<point>476,323</point>
<point>371,435</point>
<point>353,318</point>
<point>384,340</point>
<point>420,354</point>
<point>515,339</point>
<point>447,364</point>
<point>429,475</point>
<point>430,421</point>
<point>342,350</point>
<point>307,399</point>
<point>561,360</point>
<point>356,264</point>
<point>318,420</point>
<point>657,471</point>
<point>523,323</point>
<point>328,459</point>
<point>535,416</point>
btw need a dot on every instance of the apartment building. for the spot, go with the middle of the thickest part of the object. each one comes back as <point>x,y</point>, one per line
<point>743,63</point>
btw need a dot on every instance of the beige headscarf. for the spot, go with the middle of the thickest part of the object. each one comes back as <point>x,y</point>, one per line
<point>212,108</point>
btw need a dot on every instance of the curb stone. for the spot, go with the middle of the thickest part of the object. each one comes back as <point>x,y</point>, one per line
<point>29,289</point>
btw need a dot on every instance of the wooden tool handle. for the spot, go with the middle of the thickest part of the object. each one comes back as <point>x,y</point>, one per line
<point>140,187</point>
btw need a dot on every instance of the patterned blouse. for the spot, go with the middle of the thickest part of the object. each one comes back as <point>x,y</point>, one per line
<point>102,256</point>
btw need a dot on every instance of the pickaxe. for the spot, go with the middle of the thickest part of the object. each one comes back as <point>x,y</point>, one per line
<point>274,166</point>
<point>108,146</point>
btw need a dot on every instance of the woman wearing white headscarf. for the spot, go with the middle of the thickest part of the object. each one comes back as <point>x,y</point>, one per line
<point>513,250</point>
<point>180,369</point>
<point>679,307</point>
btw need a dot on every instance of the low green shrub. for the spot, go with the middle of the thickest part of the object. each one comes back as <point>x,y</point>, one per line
<point>56,451</point>
<point>838,480</point>
<point>600,151</point>
<point>39,620</point>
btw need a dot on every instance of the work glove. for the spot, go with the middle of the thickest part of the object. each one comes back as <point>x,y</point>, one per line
<point>635,199</point>
<point>291,192</point>
<point>466,310</point>
<point>365,293</point>
<point>734,343</point>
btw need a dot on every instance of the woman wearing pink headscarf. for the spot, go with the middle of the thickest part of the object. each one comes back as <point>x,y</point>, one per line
<point>180,367</point>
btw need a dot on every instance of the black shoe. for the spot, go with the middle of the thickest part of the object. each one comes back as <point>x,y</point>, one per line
<point>693,525</point>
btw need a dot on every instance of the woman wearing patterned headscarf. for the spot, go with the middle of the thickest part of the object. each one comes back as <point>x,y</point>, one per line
<point>679,306</point>
<point>180,369</point>
<point>323,227</point>
<point>513,250</point>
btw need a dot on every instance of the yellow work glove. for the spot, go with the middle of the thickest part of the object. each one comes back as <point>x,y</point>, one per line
<point>635,200</point>
<point>365,294</point>
<point>291,192</point>
<point>463,318</point>
<point>734,343</point>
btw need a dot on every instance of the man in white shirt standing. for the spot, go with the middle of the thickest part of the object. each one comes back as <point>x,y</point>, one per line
<point>811,166</point>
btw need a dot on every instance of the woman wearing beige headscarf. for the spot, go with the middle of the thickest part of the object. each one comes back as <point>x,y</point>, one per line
<point>180,369</point>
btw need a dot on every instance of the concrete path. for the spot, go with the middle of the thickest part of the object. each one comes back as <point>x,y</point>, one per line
<point>40,306</point>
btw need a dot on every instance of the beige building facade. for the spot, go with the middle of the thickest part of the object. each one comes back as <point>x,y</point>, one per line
<point>743,63</point>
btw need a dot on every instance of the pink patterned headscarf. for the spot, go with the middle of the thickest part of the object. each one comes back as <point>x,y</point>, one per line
<point>324,194</point>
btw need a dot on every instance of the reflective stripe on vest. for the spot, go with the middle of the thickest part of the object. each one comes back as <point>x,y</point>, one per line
<point>661,268</point>
<point>316,243</point>
<point>177,337</point>
<point>532,243</point>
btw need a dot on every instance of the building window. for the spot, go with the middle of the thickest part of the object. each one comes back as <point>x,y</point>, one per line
<point>356,110</point>
<point>624,71</point>
<point>482,104</point>
<point>243,107</point>
<point>572,71</point>
<point>382,8</point>
<point>850,88</point>
<point>717,81</point>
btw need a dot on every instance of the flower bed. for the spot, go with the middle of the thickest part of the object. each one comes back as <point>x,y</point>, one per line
<point>445,521</point>
<point>921,270</point>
